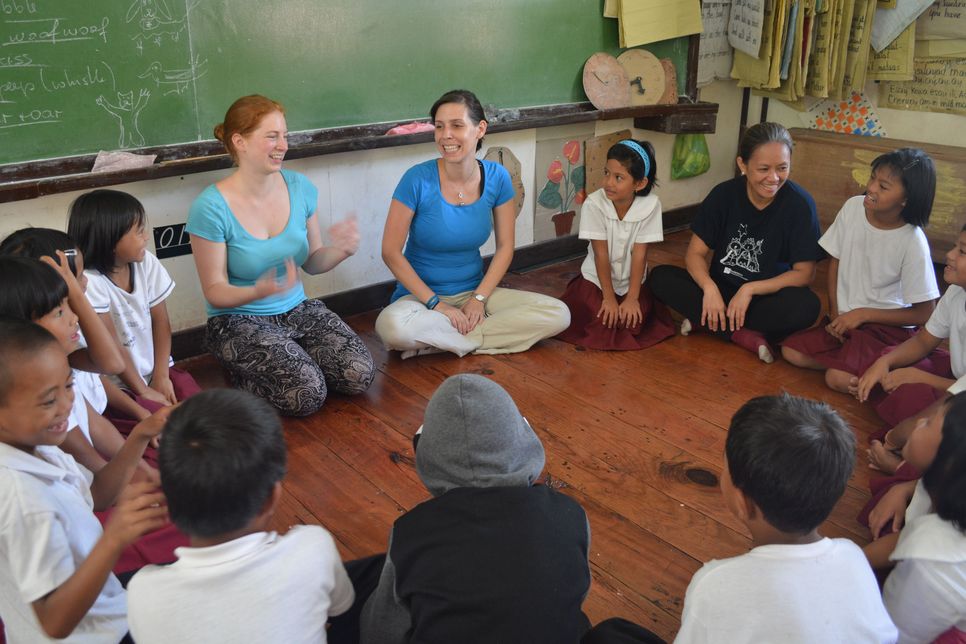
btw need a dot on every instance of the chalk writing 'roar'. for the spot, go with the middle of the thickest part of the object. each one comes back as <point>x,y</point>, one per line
<point>51,31</point>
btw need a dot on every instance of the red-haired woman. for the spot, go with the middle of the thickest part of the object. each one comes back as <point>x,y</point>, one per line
<point>249,233</point>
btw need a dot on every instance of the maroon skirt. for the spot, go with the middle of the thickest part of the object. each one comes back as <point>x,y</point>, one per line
<point>861,348</point>
<point>184,387</point>
<point>584,298</point>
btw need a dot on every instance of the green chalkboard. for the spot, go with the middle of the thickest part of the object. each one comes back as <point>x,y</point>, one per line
<point>78,77</point>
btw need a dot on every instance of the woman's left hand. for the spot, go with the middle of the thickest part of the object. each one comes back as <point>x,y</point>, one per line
<point>344,235</point>
<point>738,306</point>
<point>475,311</point>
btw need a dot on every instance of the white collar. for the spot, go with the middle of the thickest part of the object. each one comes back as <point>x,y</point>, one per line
<point>47,462</point>
<point>233,550</point>
<point>640,208</point>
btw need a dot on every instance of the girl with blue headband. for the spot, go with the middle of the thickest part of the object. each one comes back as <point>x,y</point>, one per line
<point>610,308</point>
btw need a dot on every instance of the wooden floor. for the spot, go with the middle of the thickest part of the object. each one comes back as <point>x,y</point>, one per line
<point>636,437</point>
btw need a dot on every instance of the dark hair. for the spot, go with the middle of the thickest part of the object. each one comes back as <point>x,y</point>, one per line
<point>29,288</point>
<point>221,455</point>
<point>463,97</point>
<point>918,174</point>
<point>97,222</point>
<point>242,117</point>
<point>945,478</point>
<point>761,134</point>
<point>18,339</point>
<point>37,242</point>
<point>632,161</point>
<point>792,457</point>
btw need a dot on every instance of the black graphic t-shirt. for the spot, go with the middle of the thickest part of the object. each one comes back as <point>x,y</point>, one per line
<point>751,244</point>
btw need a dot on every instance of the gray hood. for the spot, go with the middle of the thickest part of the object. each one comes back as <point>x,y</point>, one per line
<point>474,436</point>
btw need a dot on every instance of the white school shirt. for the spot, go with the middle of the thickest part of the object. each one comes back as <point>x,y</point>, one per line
<point>47,528</point>
<point>878,269</point>
<point>817,592</point>
<point>949,321</point>
<point>958,386</point>
<point>258,588</point>
<point>88,389</point>
<point>926,591</point>
<point>131,312</point>
<point>642,224</point>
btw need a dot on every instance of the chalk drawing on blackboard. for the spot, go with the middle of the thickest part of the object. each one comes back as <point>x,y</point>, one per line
<point>175,81</point>
<point>156,21</point>
<point>126,111</point>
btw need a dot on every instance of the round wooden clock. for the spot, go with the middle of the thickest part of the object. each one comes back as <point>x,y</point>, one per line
<point>605,82</point>
<point>645,76</point>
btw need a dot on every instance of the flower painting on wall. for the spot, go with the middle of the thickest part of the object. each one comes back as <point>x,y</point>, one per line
<point>562,190</point>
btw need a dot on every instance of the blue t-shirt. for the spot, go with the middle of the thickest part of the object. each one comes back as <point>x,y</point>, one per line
<point>248,258</point>
<point>444,239</point>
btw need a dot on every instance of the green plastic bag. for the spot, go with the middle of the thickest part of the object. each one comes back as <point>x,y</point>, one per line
<point>691,156</point>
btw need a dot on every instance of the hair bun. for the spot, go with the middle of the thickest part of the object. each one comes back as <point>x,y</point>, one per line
<point>220,132</point>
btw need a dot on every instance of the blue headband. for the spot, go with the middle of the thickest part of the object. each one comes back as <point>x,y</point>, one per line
<point>637,148</point>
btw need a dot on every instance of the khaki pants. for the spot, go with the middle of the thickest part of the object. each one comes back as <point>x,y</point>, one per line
<point>515,321</point>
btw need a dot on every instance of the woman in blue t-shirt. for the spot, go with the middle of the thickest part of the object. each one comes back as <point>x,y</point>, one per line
<point>752,253</point>
<point>447,208</point>
<point>249,233</point>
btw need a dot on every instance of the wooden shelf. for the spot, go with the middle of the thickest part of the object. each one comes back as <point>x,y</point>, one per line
<point>34,179</point>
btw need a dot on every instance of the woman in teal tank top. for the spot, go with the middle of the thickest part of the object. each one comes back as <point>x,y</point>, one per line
<point>249,234</point>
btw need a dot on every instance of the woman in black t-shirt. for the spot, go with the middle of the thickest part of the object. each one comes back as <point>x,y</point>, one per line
<point>752,254</point>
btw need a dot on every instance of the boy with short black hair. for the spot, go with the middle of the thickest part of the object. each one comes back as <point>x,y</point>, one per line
<point>222,460</point>
<point>55,559</point>
<point>492,557</point>
<point>788,462</point>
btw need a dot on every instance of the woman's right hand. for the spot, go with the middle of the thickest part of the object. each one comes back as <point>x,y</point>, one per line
<point>269,284</point>
<point>713,310</point>
<point>456,317</point>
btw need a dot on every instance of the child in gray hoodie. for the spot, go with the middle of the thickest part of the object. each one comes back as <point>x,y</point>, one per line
<point>491,557</point>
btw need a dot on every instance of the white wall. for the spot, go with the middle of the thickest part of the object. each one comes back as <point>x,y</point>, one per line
<point>363,182</point>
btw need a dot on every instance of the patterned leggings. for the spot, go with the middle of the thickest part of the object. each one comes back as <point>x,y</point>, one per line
<point>292,359</point>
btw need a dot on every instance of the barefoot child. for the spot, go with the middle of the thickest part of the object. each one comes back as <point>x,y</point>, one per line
<point>609,307</point>
<point>914,375</point>
<point>128,286</point>
<point>881,280</point>
<point>55,560</point>
<point>926,592</point>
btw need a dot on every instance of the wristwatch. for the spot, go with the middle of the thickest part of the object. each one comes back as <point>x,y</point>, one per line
<point>479,297</point>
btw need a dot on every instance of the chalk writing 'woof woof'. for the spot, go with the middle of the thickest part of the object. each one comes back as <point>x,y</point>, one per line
<point>52,31</point>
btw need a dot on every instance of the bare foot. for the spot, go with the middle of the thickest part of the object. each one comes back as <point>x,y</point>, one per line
<point>882,459</point>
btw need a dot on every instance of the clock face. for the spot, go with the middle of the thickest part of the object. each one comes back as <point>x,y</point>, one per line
<point>508,160</point>
<point>645,76</point>
<point>605,82</point>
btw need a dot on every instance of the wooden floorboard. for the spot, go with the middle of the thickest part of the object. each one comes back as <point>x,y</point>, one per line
<point>636,437</point>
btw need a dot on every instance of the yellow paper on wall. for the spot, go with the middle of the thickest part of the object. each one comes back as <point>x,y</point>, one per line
<point>647,21</point>
<point>940,86</point>
<point>857,52</point>
<point>788,88</point>
<point>611,8</point>
<point>841,33</point>
<point>887,4</point>
<point>895,61</point>
<point>778,43</point>
<point>754,72</point>
<point>820,60</point>
<point>941,48</point>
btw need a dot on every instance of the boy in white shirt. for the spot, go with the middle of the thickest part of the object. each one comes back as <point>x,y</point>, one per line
<point>55,560</point>
<point>788,462</point>
<point>222,460</point>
